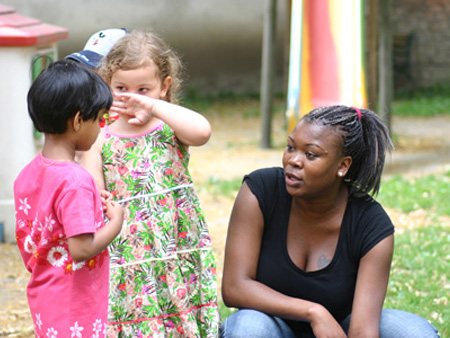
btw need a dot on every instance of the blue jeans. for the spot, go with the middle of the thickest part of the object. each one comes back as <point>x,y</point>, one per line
<point>255,324</point>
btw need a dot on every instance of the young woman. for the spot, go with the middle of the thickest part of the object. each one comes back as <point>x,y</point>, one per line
<point>309,250</point>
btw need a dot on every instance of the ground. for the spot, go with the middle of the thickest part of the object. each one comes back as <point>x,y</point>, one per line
<point>422,146</point>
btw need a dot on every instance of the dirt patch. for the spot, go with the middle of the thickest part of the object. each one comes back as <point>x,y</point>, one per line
<point>233,151</point>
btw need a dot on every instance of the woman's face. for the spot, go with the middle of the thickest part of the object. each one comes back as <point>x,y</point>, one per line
<point>313,161</point>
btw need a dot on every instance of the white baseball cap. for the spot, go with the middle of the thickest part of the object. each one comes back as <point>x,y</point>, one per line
<point>98,46</point>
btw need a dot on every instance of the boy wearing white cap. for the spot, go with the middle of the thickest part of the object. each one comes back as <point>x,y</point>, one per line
<point>98,45</point>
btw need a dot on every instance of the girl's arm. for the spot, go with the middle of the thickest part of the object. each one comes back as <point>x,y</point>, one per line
<point>92,161</point>
<point>191,128</point>
<point>371,285</point>
<point>86,246</point>
<point>239,287</point>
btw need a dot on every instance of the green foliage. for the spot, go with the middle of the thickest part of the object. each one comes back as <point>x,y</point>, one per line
<point>419,276</point>
<point>247,105</point>
<point>204,102</point>
<point>419,280</point>
<point>424,102</point>
<point>225,311</point>
<point>217,187</point>
<point>430,193</point>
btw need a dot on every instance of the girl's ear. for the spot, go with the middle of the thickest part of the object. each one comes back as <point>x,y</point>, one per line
<point>77,121</point>
<point>345,164</point>
<point>165,85</point>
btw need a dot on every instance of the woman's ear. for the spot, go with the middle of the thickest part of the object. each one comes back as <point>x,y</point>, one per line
<point>165,85</point>
<point>345,164</point>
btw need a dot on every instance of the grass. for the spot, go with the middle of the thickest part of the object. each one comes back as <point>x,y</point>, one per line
<point>419,281</point>
<point>218,187</point>
<point>430,193</point>
<point>421,262</point>
<point>423,103</point>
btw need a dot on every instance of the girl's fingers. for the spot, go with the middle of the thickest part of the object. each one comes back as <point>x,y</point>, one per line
<point>119,104</point>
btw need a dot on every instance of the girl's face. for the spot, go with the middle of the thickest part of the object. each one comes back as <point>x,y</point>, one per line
<point>313,161</point>
<point>142,81</point>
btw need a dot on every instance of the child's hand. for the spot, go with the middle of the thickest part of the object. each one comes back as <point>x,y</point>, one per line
<point>114,211</point>
<point>106,196</point>
<point>136,108</point>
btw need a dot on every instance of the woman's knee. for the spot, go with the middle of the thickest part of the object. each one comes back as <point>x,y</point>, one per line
<point>251,323</point>
<point>402,324</point>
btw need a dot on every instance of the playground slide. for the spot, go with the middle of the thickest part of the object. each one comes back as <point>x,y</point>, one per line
<point>326,63</point>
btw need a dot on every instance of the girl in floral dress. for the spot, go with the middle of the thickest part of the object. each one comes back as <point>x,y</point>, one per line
<point>163,275</point>
<point>60,228</point>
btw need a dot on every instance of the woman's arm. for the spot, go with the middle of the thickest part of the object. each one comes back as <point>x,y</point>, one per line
<point>239,287</point>
<point>92,161</point>
<point>370,292</point>
<point>191,128</point>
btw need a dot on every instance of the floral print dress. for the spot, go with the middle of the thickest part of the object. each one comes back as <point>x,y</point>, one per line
<point>163,272</point>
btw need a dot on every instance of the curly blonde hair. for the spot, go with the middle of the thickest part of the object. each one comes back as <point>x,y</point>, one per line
<point>142,48</point>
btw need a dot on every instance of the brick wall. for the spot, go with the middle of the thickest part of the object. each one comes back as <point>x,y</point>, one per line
<point>429,23</point>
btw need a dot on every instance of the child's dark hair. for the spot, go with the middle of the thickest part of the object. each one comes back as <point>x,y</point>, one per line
<point>63,89</point>
<point>365,138</point>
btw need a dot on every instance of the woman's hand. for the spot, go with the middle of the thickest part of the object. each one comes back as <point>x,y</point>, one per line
<point>323,323</point>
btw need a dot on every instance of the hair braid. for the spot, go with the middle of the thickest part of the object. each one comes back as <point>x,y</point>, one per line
<point>365,139</point>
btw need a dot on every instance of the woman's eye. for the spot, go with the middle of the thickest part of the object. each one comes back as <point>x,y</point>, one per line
<point>143,90</point>
<point>310,155</point>
<point>120,88</point>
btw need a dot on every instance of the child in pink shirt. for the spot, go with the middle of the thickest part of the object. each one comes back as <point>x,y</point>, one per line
<point>60,228</point>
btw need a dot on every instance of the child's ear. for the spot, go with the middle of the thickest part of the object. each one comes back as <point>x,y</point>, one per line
<point>77,121</point>
<point>165,85</point>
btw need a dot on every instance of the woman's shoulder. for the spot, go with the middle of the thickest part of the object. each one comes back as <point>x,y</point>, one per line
<point>367,224</point>
<point>267,182</point>
<point>365,203</point>
<point>266,173</point>
<point>366,210</point>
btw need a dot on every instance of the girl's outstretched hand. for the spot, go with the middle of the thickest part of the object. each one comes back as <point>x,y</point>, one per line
<point>137,109</point>
<point>191,128</point>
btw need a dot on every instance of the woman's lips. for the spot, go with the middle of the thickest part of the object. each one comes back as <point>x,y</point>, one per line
<point>292,179</point>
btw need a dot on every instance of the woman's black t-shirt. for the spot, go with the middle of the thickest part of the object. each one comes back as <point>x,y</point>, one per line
<point>365,223</point>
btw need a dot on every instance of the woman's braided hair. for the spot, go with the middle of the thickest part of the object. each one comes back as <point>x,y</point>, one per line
<point>365,138</point>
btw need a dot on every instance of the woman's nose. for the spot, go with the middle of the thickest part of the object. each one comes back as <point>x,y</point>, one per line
<point>296,159</point>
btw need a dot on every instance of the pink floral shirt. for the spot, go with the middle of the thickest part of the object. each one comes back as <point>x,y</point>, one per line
<point>55,201</point>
